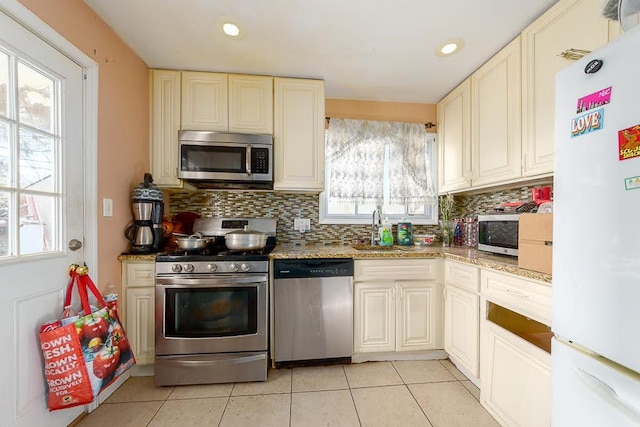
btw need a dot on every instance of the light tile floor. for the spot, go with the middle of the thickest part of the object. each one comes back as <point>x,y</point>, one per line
<point>402,393</point>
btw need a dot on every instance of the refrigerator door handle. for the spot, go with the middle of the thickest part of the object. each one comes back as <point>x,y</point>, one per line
<point>608,394</point>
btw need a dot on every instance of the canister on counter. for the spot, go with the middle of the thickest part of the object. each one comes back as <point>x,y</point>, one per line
<point>405,233</point>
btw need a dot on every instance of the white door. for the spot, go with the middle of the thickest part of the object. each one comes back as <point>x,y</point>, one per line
<point>41,210</point>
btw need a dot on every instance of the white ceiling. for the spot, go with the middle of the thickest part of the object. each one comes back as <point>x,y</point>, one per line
<point>368,49</point>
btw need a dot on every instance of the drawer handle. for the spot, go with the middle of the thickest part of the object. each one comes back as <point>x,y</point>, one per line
<point>518,294</point>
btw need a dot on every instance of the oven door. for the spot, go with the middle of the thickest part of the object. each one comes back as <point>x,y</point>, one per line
<point>222,161</point>
<point>225,313</point>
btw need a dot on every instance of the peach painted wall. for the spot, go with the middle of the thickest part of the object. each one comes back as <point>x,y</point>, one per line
<point>383,111</point>
<point>123,119</point>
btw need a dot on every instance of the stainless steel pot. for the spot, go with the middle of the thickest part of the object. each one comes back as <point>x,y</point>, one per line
<point>245,240</point>
<point>192,242</point>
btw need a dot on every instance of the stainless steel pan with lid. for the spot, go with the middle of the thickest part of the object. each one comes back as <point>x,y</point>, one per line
<point>245,240</point>
<point>192,242</point>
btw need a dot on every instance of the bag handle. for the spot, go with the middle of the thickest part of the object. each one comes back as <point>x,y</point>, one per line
<point>80,276</point>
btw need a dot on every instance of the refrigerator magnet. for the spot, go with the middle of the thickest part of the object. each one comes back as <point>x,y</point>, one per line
<point>594,100</point>
<point>629,142</point>
<point>632,183</point>
<point>587,123</point>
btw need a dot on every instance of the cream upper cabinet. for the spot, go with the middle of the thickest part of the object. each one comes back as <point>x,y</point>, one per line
<point>454,140</point>
<point>397,305</point>
<point>250,104</point>
<point>298,134</point>
<point>495,118</point>
<point>205,104</point>
<point>570,24</point>
<point>165,123</point>
<point>227,102</point>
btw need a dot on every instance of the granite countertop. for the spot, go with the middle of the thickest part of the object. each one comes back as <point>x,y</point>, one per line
<point>457,253</point>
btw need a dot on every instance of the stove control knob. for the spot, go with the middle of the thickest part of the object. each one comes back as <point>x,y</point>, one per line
<point>176,268</point>
<point>188,268</point>
<point>233,267</point>
<point>212,267</point>
<point>245,267</point>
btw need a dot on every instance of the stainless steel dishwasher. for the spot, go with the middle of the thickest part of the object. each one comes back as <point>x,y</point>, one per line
<point>313,311</point>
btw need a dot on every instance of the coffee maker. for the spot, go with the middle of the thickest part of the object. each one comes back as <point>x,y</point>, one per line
<point>145,234</point>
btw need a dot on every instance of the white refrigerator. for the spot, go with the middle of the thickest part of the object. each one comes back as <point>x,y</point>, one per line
<point>596,245</point>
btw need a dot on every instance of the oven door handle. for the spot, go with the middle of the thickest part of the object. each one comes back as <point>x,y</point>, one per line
<point>209,282</point>
<point>225,361</point>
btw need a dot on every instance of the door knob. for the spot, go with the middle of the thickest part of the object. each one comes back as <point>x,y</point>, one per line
<point>75,244</point>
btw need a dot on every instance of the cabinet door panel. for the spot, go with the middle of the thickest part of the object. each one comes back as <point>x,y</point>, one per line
<point>165,123</point>
<point>417,317</point>
<point>375,315</point>
<point>495,124</point>
<point>298,134</point>
<point>204,101</point>
<point>570,24</point>
<point>140,323</point>
<point>454,123</point>
<point>516,379</point>
<point>461,334</point>
<point>250,104</point>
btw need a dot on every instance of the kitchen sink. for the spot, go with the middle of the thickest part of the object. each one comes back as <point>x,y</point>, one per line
<point>376,248</point>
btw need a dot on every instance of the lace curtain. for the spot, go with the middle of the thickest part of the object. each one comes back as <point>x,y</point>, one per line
<point>356,151</point>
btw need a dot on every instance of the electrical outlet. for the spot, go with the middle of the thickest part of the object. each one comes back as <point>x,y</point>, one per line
<point>302,224</point>
<point>107,207</point>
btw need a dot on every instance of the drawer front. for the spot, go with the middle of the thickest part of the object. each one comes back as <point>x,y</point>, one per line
<point>528,297</point>
<point>463,275</point>
<point>397,269</point>
<point>139,273</point>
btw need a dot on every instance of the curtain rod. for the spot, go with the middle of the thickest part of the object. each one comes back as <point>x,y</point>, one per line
<point>427,125</point>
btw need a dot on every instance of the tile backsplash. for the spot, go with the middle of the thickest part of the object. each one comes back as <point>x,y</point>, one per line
<point>287,206</point>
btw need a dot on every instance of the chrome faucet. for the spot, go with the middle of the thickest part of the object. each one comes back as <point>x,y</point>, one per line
<point>374,223</point>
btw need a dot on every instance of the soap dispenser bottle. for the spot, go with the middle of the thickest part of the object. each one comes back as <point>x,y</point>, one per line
<point>385,234</point>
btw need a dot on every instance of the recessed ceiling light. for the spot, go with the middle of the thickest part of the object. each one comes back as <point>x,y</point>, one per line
<point>231,29</point>
<point>449,47</point>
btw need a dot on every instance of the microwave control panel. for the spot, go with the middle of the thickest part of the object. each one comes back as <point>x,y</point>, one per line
<point>260,160</point>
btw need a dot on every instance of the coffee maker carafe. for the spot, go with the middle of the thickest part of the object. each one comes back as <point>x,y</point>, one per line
<point>145,234</point>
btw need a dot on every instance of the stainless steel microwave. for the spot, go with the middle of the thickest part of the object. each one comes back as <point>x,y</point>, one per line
<point>498,233</point>
<point>226,160</point>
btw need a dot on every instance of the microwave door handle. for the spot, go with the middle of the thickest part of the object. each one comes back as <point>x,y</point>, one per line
<point>248,160</point>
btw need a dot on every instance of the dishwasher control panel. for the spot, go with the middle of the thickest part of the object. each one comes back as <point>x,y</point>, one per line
<point>323,267</point>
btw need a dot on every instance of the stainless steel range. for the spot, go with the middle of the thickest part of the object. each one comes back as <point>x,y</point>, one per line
<point>211,309</point>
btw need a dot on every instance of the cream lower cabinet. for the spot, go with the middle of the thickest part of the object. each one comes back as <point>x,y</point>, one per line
<point>515,363</point>
<point>138,288</point>
<point>298,135</point>
<point>397,305</point>
<point>462,318</point>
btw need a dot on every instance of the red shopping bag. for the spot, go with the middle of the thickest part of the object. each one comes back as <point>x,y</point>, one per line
<point>84,356</point>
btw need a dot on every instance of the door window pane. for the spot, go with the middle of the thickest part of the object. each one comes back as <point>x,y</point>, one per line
<point>35,96</point>
<point>5,159</point>
<point>4,84</point>
<point>5,230</point>
<point>37,222</point>
<point>37,156</point>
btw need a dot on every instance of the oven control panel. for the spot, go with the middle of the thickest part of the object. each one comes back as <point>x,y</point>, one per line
<point>177,268</point>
